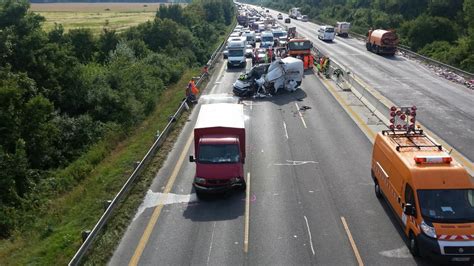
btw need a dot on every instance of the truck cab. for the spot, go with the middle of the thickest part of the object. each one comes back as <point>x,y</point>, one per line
<point>301,48</point>
<point>219,147</point>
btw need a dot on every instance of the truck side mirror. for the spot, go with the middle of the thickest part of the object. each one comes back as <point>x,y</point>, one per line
<point>409,209</point>
<point>191,159</point>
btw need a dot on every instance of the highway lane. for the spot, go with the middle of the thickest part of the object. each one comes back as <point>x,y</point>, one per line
<point>307,170</point>
<point>319,174</point>
<point>444,107</point>
<point>187,231</point>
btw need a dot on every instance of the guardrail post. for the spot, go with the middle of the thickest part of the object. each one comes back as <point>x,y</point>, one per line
<point>85,234</point>
<point>136,164</point>
<point>107,204</point>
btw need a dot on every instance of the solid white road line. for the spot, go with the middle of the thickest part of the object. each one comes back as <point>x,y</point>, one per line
<point>247,214</point>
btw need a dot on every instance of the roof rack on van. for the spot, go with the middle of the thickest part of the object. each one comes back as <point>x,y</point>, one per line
<point>408,137</point>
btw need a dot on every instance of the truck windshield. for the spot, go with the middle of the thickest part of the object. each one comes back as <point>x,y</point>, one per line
<point>267,39</point>
<point>447,205</point>
<point>236,53</point>
<point>222,153</point>
<point>278,34</point>
<point>303,45</point>
<point>329,29</point>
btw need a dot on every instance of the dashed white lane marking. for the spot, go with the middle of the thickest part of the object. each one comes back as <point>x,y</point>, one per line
<point>301,115</point>
<point>286,131</point>
<point>400,253</point>
<point>310,236</point>
<point>212,241</point>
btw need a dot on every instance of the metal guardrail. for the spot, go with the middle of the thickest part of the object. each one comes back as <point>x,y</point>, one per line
<point>76,260</point>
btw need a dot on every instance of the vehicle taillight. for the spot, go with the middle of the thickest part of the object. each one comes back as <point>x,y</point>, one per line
<point>432,159</point>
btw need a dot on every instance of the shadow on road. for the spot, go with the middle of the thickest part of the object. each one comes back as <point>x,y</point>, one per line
<point>396,224</point>
<point>218,207</point>
<point>393,57</point>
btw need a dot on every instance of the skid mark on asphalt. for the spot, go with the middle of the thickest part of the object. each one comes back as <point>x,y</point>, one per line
<point>296,163</point>
<point>401,253</point>
<point>153,199</point>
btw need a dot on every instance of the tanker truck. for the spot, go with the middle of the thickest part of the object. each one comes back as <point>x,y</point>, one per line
<point>382,42</point>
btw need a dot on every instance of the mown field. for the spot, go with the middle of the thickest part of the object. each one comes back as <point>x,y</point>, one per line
<point>117,16</point>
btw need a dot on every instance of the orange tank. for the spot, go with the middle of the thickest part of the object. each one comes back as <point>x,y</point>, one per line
<point>382,42</point>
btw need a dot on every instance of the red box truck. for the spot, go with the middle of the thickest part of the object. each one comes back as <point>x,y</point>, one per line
<point>219,148</point>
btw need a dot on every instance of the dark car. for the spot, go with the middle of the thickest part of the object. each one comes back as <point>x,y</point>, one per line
<point>287,20</point>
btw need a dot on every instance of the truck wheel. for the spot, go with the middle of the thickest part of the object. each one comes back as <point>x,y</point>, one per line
<point>200,195</point>
<point>413,245</point>
<point>378,192</point>
<point>243,187</point>
<point>368,46</point>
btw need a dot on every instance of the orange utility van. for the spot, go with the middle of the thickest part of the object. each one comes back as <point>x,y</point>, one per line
<point>431,194</point>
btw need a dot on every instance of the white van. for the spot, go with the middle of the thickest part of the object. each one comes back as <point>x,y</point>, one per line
<point>236,53</point>
<point>250,37</point>
<point>326,33</point>
<point>266,39</point>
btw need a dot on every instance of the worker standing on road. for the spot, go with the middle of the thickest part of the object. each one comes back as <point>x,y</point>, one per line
<point>191,92</point>
<point>270,54</point>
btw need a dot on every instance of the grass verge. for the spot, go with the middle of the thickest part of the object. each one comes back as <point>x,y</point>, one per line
<point>56,236</point>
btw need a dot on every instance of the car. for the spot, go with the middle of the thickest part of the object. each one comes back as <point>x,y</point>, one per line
<point>225,53</point>
<point>248,50</point>
<point>282,41</point>
<point>280,16</point>
<point>304,18</point>
<point>258,37</point>
<point>261,55</point>
<point>287,20</point>
<point>267,10</point>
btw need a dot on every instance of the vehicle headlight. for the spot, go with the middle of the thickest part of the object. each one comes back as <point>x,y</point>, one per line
<point>428,230</point>
<point>199,180</point>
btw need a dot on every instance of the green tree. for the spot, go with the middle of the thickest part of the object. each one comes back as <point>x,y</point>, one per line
<point>416,31</point>
<point>83,44</point>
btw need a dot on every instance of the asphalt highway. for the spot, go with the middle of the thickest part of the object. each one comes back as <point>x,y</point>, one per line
<point>444,107</point>
<point>309,197</point>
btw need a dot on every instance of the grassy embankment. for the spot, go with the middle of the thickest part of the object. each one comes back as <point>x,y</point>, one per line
<point>115,16</point>
<point>55,236</point>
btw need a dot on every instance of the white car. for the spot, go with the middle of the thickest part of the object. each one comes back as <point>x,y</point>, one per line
<point>279,16</point>
<point>248,50</point>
